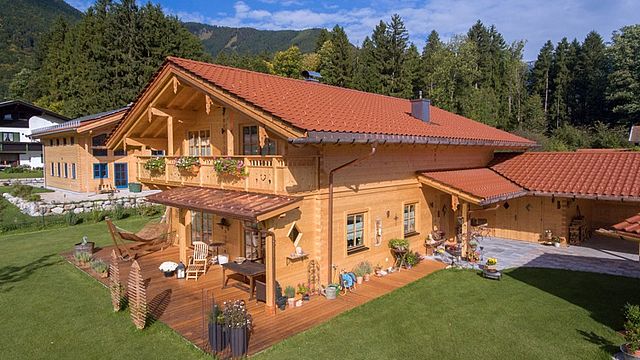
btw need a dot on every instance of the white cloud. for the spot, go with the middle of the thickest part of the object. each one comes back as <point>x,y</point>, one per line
<point>81,5</point>
<point>533,20</point>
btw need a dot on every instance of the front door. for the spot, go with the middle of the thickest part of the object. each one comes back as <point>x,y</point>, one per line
<point>120,177</point>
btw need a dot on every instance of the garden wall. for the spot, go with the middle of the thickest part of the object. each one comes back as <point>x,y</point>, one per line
<point>38,208</point>
<point>35,182</point>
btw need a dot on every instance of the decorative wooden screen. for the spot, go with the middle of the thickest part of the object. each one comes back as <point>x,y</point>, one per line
<point>137,293</point>
<point>115,286</point>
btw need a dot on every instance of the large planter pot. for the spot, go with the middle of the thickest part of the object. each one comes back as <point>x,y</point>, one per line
<point>239,340</point>
<point>135,187</point>
<point>291,302</point>
<point>491,268</point>
<point>556,244</point>
<point>218,339</point>
<point>169,273</point>
<point>88,247</point>
<point>629,355</point>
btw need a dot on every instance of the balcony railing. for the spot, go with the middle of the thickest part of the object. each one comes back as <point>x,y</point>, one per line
<point>268,174</point>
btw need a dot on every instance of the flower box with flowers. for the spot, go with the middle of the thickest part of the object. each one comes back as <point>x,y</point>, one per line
<point>230,167</point>
<point>188,164</point>
<point>155,165</point>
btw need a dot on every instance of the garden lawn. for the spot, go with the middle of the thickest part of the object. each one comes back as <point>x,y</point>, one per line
<point>456,314</point>
<point>51,310</point>
<point>21,175</point>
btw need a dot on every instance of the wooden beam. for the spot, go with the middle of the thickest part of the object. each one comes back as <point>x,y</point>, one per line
<point>175,83</point>
<point>170,149</point>
<point>157,143</point>
<point>179,114</point>
<point>207,103</point>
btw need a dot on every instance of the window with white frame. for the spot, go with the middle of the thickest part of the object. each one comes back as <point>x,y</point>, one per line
<point>409,219</point>
<point>199,143</point>
<point>355,231</point>
<point>201,227</point>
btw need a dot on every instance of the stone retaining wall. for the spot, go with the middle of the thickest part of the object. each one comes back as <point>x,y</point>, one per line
<point>37,208</point>
<point>36,182</point>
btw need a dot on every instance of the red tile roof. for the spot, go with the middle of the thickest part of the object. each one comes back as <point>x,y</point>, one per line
<point>237,204</point>
<point>630,225</point>
<point>479,183</point>
<point>318,107</point>
<point>605,175</point>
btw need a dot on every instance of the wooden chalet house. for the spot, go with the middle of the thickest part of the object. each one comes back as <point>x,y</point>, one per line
<point>332,171</point>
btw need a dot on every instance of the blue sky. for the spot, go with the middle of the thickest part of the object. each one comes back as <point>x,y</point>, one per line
<point>533,20</point>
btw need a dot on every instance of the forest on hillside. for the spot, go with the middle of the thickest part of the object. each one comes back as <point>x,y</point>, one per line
<point>577,94</point>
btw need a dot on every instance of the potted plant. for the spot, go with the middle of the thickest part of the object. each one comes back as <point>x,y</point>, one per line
<point>556,241</point>
<point>367,269</point>
<point>290,293</point>
<point>230,167</point>
<point>188,164</point>
<point>399,244</point>
<point>218,339</point>
<point>303,291</point>
<point>412,259</point>
<point>631,348</point>
<point>359,271</point>
<point>491,264</point>
<point>82,259</point>
<point>168,268</point>
<point>155,165</point>
<point>85,246</point>
<point>101,268</point>
<point>238,323</point>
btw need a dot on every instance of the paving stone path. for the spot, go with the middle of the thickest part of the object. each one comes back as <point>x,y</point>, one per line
<point>606,256</point>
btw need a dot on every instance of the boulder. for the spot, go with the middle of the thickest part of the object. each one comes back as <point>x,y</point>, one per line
<point>57,210</point>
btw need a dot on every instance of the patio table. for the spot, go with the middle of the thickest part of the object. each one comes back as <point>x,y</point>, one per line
<point>250,270</point>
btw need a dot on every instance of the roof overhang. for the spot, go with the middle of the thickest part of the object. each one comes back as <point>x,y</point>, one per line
<point>172,73</point>
<point>328,137</point>
<point>229,203</point>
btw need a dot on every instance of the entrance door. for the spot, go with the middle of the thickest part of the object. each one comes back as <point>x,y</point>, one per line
<point>120,177</point>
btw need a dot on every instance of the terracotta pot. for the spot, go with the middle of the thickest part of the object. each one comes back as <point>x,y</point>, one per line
<point>629,355</point>
<point>359,280</point>
<point>291,302</point>
<point>367,277</point>
<point>239,340</point>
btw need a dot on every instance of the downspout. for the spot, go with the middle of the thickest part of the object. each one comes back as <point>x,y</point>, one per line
<point>330,226</point>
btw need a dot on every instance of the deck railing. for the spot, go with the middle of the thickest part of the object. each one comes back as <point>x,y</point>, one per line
<point>269,174</point>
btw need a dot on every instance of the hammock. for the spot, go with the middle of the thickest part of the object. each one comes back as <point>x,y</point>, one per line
<point>153,237</point>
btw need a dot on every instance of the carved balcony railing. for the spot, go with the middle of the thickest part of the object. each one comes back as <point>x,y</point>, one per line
<point>266,174</point>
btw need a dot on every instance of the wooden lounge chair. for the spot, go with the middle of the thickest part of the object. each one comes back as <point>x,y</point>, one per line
<point>198,262</point>
<point>152,237</point>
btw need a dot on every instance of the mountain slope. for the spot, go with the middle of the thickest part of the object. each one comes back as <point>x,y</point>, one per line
<point>22,22</point>
<point>252,41</point>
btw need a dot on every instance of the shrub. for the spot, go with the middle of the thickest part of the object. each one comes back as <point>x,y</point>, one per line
<point>96,215</point>
<point>99,266</point>
<point>632,327</point>
<point>21,191</point>
<point>412,258</point>
<point>82,257</point>
<point>119,212</point>
<point>34,197</point>
<point>362,268</point>
<point>71,218</point>
<point>399,244</point>
<point>150,210</point>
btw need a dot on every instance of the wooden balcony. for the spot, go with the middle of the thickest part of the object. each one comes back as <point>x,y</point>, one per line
<point>266,174</point>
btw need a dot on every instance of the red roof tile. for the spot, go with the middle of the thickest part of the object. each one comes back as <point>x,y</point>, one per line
<point>612,174</point>
<point>313,106</point>
<point>480,183</point>
<point>630,225</point>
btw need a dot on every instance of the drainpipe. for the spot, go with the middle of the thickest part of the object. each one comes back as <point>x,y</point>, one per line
<point>330,226</point>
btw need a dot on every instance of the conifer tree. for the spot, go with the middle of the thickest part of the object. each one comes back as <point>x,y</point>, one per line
<point>624,81</point>
<point>541,75</point>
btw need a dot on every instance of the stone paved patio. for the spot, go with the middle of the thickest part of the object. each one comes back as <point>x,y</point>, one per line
<point>601,255</point>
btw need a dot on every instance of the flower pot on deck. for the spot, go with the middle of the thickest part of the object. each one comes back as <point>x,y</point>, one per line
<point>218,339</point>
<point>239,340</point>
<point>627,354</point>
<point>359,280</point>
<point>291,302</point>
<point>367,277</point>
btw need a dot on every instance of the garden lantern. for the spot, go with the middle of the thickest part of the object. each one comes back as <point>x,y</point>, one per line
<point>180,271</point>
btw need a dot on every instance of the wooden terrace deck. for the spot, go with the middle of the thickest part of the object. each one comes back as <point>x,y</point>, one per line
<point>183,304</point>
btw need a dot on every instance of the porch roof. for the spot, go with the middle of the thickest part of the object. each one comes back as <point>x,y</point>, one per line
<point>479,186</point>
<point>236,204</point>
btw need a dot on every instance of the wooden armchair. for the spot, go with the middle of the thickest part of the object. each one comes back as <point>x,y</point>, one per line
<point>198,262</point>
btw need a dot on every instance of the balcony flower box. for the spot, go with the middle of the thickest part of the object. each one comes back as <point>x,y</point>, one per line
<point>230,167</point>
<point>155,165</point>
<point>190,164</point>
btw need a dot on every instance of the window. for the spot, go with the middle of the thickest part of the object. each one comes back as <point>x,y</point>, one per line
<point>52,171</point>
<point>119,152</point>
<point>66,170</point>
<point>50,142</point>
<point>355,231</point>
<point>72,140</point>
<point>73,171</point>
<point>59,172</point>
<point>64,141</point>
<point>294,234</point>
<point>98,145</point>
<point>201,227</point>
<point>157,152</point>
<point>250,141</point>
<point>199,143</point>
<point>10,136</point>
<point>409,219</point>
<point>100,171</point>
<point>254,242</point>
<point>269,147</point>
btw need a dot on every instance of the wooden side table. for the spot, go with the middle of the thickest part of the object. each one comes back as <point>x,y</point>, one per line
<point>401,257</point>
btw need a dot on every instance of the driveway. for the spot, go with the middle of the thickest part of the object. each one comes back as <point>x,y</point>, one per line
<point>600,255</point>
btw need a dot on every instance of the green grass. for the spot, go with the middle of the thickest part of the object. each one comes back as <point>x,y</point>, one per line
<point>51,310</point>
<point>530,314</point>
<point>21,175</point>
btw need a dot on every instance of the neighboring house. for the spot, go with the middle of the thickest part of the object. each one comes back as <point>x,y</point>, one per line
<point>76,157</point>
<point>17,121</point>
<point>329,170</point>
